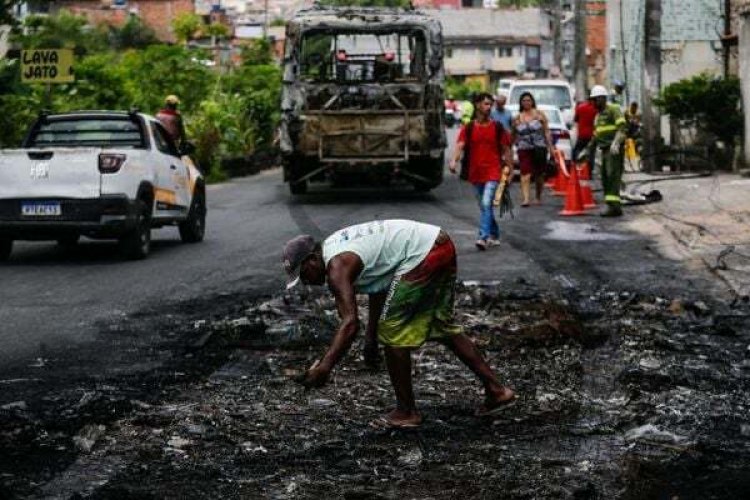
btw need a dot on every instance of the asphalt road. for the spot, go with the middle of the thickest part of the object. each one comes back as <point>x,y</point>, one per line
<point>54,298</point>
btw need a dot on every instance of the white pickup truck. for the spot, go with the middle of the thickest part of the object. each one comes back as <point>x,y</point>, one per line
<point>100,174</point>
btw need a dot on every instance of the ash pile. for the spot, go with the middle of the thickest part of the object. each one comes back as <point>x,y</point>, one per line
<point>621,396</point>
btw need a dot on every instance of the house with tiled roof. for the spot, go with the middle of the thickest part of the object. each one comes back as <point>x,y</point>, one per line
<point>490,44</point>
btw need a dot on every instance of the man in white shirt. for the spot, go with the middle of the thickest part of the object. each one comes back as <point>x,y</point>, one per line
<point>408,269</point>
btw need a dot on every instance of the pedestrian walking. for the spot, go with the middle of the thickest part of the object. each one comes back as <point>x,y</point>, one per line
<point>408,269</point>
<point>171,119</point>
<point>584,117</point>
<point>610,131</point>
<point>533,143</point>
<point>483,146</point>
<point>500,114</point>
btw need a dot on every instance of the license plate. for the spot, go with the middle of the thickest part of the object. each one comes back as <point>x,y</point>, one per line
<point>41,209</point>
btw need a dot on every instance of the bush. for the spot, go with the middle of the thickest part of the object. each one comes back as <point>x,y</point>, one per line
<point>462,91</point>
<point>708,103</point>
<point>226,115</point>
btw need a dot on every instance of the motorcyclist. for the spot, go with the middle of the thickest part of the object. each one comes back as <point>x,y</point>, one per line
<point>171,118</point>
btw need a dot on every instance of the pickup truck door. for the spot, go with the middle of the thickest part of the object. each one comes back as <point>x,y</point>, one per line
<point>172,177</point>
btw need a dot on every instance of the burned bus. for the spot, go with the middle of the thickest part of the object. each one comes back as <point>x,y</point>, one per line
<point>362,98</point>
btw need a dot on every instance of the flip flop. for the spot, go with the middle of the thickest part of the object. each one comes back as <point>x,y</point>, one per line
<point>386,423</point>
<point>496,408</point>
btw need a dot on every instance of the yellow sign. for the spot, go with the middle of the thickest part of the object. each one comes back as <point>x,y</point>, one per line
<point>47,66</point>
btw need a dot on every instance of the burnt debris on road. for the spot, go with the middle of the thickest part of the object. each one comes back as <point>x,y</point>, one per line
<point>621,396</point>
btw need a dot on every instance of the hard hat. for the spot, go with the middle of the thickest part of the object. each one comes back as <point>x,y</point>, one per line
<point>598,91</point>
<point>172,99</point>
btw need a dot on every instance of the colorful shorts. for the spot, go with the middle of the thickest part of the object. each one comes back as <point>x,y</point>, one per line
<point>419,305</point>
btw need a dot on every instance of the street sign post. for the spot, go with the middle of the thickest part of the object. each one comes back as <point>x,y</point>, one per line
<point>47,66</point>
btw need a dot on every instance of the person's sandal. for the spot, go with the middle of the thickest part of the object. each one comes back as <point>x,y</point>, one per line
<point>481,245</point>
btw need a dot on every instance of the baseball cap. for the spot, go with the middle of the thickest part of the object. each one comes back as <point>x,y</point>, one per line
<point>295,251</point>
<point>172,99</point>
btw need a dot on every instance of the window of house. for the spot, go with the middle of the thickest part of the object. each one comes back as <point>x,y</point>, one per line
<point>505,51</point>
<point>448,53</point>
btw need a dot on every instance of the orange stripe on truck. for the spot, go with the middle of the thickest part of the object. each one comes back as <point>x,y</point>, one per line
<point>165,196</point>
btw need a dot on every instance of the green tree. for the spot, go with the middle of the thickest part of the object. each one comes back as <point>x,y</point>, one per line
<point>133,34</point>
<point>186,26</point>
<point>64,30</point>
<point>217,30</point>
<point>101,83</point>
<point>257,52</point>
<point>708,103</point>
<point>160,70</point>
<point>462,91</point>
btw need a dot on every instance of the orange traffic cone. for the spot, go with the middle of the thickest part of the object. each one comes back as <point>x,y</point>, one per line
<point>587,194</point>
<point>560,187</point>
<point>573,198</point>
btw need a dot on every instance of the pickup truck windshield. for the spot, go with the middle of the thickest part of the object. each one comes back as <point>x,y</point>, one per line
<point>363,57</point>
<point>98,132</point>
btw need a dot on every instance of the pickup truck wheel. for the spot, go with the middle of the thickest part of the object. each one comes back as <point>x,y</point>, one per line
<point>298,187</point>
<point>194,228</point>
<point>136,244</point>
<point>6,247</point>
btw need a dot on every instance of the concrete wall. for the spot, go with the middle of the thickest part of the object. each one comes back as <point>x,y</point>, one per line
<point>689,33</point>
<point>744,74</point>
<point>472,59</point>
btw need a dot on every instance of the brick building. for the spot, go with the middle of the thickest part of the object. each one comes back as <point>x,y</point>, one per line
<point>596,42</point>
<point>157,14</point>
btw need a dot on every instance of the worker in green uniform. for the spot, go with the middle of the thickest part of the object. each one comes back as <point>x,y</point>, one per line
<point>610,131</point>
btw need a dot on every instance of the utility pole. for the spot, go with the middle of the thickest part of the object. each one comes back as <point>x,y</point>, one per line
<point>580,63</point>
<point>556,12</point>
<point>728,39</point>
<point>651,77</point>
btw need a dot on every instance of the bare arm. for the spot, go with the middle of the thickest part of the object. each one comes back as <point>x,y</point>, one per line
<point>342,273</point>
<point>456,157</point>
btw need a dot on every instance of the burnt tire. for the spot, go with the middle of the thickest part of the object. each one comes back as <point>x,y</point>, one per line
<point>299,187</point>
<point>6,247</point>
<point>193,229</point>
<point>136,243</point>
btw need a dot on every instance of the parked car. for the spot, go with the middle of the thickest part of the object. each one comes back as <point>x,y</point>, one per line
<point>503,86</point>
<point>559,131</point>
<point>100,174</point>
<point>556,93</point>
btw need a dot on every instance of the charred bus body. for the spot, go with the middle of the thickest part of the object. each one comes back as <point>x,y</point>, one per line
<point>363,97</point>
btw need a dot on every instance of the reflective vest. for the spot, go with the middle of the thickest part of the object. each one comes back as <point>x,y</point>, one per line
<point>607,123</point>
<point>467,112</point>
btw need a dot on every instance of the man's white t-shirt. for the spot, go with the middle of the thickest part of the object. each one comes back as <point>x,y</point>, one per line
<point>388,248</point>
